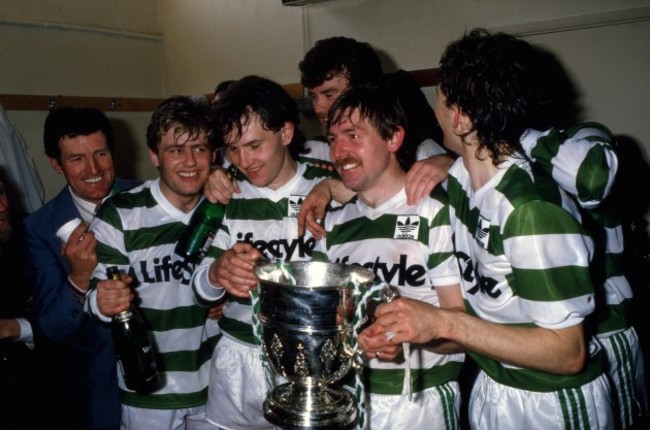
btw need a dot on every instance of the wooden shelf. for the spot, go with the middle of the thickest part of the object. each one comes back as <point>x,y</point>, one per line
<point>44,103</point>
<point>424,77</point>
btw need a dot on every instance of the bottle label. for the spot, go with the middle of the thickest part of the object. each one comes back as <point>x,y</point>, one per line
<point>123,316</point>
<point>206,245</point>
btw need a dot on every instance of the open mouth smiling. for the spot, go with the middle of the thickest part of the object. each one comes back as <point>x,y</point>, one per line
<point>94,180</point>
<point>187,175</point>
<point>347,163</point>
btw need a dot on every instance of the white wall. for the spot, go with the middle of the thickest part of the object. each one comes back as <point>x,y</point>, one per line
<point>156,48</point>
<point>207,41</point>
<point>602,44</point>
<point>82,48</point>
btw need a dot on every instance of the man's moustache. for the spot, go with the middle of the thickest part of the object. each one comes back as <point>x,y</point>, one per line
<point>346,160</point>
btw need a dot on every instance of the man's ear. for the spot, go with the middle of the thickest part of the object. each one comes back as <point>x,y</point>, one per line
<point>154,159</point>
<point>55,165</point>
<point>396,140</point>
<point>462,124</point>
<point>287,132</point>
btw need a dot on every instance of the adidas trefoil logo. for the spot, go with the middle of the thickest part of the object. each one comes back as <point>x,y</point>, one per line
<point>294,205</point>
<point>407,227</point>
<point>483,232</point>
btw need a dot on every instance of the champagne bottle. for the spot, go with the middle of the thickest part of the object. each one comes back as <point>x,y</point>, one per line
<point>133,346</point>
<point>196,238</point>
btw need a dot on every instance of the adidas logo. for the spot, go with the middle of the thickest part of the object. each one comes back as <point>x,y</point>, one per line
<point>407,227</point>
<point>482,234</point>
<point>295,202</point>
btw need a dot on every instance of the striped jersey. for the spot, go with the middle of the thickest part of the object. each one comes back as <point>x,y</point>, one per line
<point>582,161</point>
<point>137,231</point>
<point>410,248</point>
<point>318,153</point>
<point>268,220</point>
<point>524,262</point>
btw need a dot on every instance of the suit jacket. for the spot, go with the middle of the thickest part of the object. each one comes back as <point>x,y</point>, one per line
<point>88,354</point>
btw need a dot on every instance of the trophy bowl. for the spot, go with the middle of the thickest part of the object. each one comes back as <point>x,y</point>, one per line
<point>306,312</point>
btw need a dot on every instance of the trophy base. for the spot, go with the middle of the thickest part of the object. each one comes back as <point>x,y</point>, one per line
<point>292,407</point>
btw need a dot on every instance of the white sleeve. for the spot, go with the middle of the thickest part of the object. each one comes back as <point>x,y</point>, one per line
<point>204,293</point>
<point>26,334</point>
<point>91,307</point>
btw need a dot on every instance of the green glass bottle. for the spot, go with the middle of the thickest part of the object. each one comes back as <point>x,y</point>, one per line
<point>133,347</point>
<point>197,237</point>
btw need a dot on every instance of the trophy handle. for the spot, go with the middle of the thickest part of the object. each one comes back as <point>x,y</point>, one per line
<point>385,295</point>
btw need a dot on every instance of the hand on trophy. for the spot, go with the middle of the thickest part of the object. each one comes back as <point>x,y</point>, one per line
<point>403,320</point>
<point>376,344</point>
<point>234,270</point>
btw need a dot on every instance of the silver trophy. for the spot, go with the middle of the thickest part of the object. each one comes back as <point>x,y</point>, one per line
<point>306,310</point>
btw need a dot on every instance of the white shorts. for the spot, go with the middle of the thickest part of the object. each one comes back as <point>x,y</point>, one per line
<point>160,419</point>
<point>626,376</point>
<point>496,406</point>
<point>433,408</point>
<point>237,387</point>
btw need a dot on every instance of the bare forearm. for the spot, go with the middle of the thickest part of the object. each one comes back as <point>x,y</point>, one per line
<point>338,191</point>
<point>442,346</point>
<point>554,351</point>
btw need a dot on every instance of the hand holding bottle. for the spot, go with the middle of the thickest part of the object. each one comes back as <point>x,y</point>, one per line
<point>220,186</point>
<point>132,341</point>
<point>114,295</point>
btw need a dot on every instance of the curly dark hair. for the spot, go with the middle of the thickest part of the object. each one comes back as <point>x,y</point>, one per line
<point>184,115</point>
<point>342,56</point>
<point>491,78</point>
<point>72,122</point>
<point>256,96</point>
<point>380,107</point>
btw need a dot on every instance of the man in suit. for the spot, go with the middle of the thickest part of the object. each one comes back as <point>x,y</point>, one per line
<point>79,143</point>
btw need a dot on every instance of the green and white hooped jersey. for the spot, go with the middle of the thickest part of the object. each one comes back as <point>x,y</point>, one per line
<point>408,247</point>
<point>267,219</point>
<point>524,262</point>
<point>582,161</point>
<point>319,153</point>
<point>137,231</point>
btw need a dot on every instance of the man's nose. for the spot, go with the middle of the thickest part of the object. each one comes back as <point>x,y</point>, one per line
<point>320,106</point>
<point>190,157</point>
<point>245,158</point>
<point>337,147</point>
<point>93,166</point>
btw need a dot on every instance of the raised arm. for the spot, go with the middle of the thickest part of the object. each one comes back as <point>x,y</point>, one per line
<point>582,160</point>
<point>424,175</point>
<point>58,281</point>
<point>220,186</point>
<point>312,210</point>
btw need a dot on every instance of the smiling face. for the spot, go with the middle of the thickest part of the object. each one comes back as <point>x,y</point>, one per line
<point>324,95</point>
<point>184,165</point>
<point>262,155</point>
<point>87,164</point>
<point>361,157</point>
